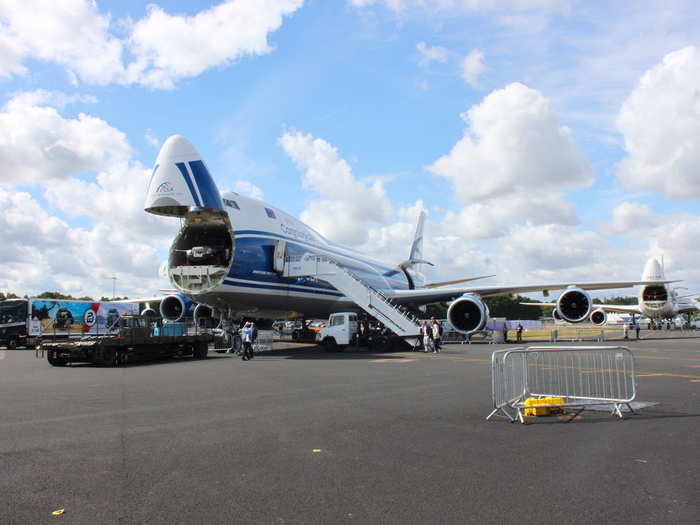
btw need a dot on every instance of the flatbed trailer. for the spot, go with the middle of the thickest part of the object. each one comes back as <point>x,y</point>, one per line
<point>139,338</point>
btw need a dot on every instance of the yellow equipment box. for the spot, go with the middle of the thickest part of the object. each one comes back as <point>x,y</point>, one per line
<point>536,408</point>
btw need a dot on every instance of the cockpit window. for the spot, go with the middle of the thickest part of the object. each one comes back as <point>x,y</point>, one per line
<point>270,213</point>
<point>231,204</point>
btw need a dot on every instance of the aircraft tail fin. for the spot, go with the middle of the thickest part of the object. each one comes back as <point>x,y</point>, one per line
<point>417,244</point>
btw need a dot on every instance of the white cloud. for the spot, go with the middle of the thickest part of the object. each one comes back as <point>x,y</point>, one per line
<point>152,139</point>
<point>37,143</point>
<point>630,217</point>
<point>464,5</point>
<point>472,66</point>
<point>170,47</point>
<point>71,33</point>
<point>56,99</point>
<point>160,50</point>
<point>660,121</point>
<point>431,53</point>
<point>497,217</point>
<point>115,198</point>
<point>245,187</point>
<point>514,145</point>
<point>42,253</point>
<point>345,206</point>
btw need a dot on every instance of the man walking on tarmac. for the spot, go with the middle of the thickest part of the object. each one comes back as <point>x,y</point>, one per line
<point>437,334</point>
<point>249,335</point>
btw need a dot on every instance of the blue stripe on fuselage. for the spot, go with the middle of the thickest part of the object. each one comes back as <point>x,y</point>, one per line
<point>231,282</point>
<point>253,256</point>
<point>325,249</point>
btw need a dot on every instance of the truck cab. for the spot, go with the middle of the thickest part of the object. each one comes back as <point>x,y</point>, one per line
<point>340,331</point>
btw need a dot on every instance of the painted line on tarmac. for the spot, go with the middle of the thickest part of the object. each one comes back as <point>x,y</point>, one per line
<point>668,374</point>
<point>429,355</point>
<point>2,354</point>
<point>393,360</point>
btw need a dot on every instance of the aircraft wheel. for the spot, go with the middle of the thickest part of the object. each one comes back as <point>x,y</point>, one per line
<point>329,344</point>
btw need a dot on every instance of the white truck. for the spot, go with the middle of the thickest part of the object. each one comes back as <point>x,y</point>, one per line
<point>341,331</point>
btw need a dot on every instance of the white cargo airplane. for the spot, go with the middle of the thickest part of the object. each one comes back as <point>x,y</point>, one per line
<point>230,254</point>
<point>656,301</point>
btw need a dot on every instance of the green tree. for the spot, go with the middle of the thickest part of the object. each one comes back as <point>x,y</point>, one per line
<point>510,307</point>
<point>58,295</point>
<point>9,295</point>
<point>104,299</point>
<point>616,300</point>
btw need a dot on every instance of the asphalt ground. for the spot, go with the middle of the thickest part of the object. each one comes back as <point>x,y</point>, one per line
<point>300,436</point>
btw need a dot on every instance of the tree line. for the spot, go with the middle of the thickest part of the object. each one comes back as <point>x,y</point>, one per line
<point>58,295</point>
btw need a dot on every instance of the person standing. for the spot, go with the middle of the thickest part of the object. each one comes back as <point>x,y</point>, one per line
<point>253,339</point>
<point>519,333</point>
<point>626,330</point>
<point>427,337</point>
<point>247,336</point>
<point>637,328</point>
<point>437,335</point>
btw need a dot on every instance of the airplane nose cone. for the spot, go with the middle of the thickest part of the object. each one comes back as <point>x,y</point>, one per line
<point>180,180</point>
<point>652,271</point>
<point>176,148</point>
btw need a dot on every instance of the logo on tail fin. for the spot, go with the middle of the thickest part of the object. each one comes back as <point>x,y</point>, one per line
<point>164,187</point>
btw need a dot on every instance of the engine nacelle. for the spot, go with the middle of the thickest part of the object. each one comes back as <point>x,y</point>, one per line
<point>176,307</point>
<point>468,314</point>
<point>149,312</point>
<point>206,317</point>
<point>574,305</point>
<point>555,315</point>
<point>599,317</point>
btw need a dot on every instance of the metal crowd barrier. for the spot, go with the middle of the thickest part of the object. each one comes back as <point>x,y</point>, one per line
<point>582,375</point>
<point>264,342</point>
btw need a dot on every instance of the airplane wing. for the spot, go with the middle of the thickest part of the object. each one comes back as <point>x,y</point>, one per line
<point>618,308</point>
<point>435,295</point>
<point>458,281</point>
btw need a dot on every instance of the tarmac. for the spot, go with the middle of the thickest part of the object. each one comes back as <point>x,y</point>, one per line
<point>300,436</point>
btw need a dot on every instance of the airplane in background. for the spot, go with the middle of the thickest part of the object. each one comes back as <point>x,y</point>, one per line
<point>236,256</point>
<point>656,301</point>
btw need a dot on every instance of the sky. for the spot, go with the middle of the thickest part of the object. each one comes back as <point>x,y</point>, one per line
<point>547,140</point>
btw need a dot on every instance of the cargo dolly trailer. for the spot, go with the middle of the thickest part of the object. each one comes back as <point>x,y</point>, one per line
<point>138,338</point>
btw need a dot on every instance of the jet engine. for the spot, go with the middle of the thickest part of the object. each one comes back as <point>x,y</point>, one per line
<point>599,317</point>
<point>574,305</point>
<point>468,314</point>
<point>149,312</point>
<point>176,307</point>
<point>206,317</point>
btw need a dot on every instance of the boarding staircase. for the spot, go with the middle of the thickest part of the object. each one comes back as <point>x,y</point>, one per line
<point>371,300</point>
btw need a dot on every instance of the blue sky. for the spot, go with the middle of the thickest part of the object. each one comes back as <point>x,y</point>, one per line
<point>547,139</point>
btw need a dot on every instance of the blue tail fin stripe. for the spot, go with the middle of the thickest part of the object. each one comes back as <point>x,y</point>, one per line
<point>211,197</point>
<point>185,175</point>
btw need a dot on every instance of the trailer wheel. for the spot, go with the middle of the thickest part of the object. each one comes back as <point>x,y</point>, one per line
<point>55,361</point>
<point>12,344</point>
<point>109,357</point>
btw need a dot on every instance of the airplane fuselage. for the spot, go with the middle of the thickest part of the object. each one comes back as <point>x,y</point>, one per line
<point>245,278</point>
